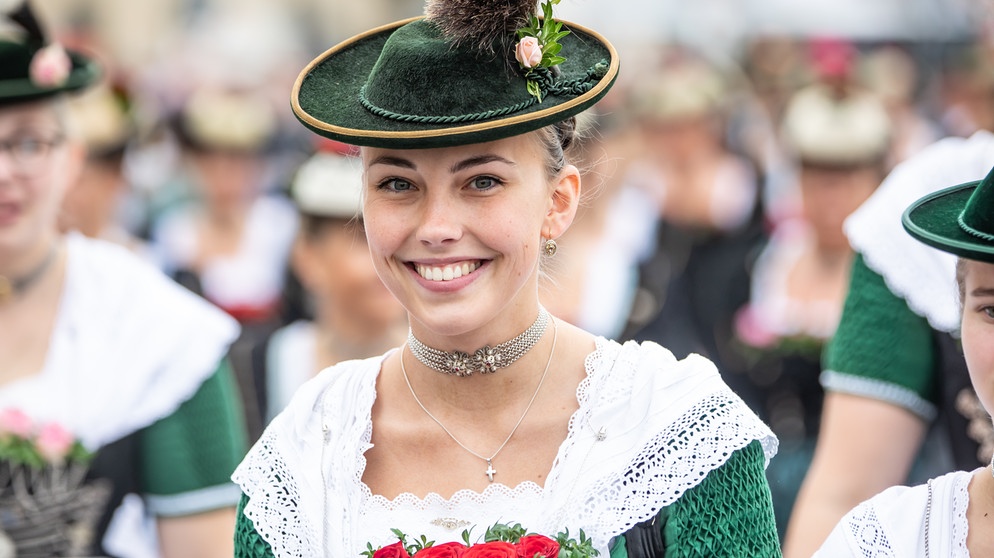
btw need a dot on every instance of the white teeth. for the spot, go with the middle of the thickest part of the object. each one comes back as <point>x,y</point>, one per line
<point>446,273</point>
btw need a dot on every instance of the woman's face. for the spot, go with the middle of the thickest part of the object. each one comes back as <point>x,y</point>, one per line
<point>978,328</point>
<point>830,195</point>
<point>335,267</point>
<point>37,166</point>
<point>455,232</point>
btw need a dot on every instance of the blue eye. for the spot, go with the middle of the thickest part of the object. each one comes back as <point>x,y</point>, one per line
<point>485,182</point>
<point>395,185</point>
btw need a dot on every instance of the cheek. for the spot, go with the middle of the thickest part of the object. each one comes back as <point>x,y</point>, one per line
<point>978,347</point>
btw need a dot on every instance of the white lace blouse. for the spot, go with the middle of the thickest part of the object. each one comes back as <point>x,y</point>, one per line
<point>892,523</point>
<point>665,423</point>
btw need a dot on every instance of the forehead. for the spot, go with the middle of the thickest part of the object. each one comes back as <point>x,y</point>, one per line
<point>519,149</point>
<point>29,116</point>
<point>978,273</point>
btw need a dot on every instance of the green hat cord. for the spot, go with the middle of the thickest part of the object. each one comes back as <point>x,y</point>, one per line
<point>958,220</point>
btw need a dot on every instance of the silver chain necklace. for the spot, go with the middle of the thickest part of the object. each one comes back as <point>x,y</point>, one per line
<point>490,472</point>
<point>487,359</point>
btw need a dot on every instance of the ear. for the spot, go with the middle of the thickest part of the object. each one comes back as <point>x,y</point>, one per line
<point>564,202</point>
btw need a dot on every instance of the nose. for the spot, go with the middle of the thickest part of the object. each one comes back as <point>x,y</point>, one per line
<point>440,219</point>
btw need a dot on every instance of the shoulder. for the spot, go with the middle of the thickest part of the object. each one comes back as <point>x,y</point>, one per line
<point>119,284</point>
<point>893,520</point>
<point>634,369</point>
<point>334,401</point>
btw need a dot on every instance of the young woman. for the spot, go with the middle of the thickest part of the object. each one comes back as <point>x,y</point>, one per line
<point>493,410</point>
<point>949,515</point>
<point>99,344</point>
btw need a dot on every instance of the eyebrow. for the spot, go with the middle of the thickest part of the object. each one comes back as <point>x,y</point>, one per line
<point>459,166</point>
<point>479,160</point>
<point>982,292</point>
<point>393,161</point>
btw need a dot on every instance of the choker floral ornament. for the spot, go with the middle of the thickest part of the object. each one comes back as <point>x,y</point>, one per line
<point>48,507</point>
<point>499,541</point>
<point>537,51</point>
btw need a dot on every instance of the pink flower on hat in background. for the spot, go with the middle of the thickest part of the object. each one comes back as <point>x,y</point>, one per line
<point>528,52</point>
<point>15,422</point>
<point>50,66</point>
<point>54,442</point>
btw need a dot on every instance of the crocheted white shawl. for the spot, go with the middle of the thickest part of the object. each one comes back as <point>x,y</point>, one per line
<point>921,275</point>
<point>128,347</point>
<point>668,423</point>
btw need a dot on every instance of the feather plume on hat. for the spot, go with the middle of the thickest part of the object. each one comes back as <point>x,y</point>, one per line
<point>479,23</point>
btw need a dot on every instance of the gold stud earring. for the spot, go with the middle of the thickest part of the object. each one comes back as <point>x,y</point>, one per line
<point>550,247</point>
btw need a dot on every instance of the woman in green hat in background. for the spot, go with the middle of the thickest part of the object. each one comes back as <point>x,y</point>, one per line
<point>99,354</point>
<point>493,411</point>
<point>948,516</point>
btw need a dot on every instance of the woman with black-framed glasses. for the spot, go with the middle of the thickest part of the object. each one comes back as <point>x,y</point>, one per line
<point>115,399</point>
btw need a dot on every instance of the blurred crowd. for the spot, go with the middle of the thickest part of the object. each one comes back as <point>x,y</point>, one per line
<point>716,189</point>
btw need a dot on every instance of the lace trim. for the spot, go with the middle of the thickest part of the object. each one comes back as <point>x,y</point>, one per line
<point>960,527</point>
<point>883,391</point>
<point>868,536</point>
<point>676,460</point>
<point>275,512</point>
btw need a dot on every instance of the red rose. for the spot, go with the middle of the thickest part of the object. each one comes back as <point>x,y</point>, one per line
<point>495,549</point>
<point>444,550</point>
<point>396,550</point>
<point>531,546</point>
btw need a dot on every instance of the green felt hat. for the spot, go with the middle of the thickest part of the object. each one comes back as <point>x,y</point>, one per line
<point>31,68</point>
<point>414,84</point>
<point>958,220</point>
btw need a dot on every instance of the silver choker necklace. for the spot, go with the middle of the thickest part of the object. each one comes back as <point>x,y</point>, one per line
<point>487,359</point>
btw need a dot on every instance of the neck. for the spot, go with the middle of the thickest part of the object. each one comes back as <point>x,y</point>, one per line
<point>28,272</point>
<point>832,257</point>
<point>227,216</point>
<point>17,265</point>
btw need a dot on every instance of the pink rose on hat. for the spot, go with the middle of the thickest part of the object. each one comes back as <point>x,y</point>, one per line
<point>50,66</point>
<point>528,52</point>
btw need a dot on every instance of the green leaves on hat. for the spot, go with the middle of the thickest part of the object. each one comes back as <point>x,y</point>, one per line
<point>539,47</point>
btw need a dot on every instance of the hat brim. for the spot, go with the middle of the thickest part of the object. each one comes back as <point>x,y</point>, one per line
<point>339,74</point>
<point>934,220</point>
<point>84,72</point>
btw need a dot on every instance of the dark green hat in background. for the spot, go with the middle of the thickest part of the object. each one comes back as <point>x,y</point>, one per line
<point>452,77</point>
<point>33,68</point>
<point>958,220</point>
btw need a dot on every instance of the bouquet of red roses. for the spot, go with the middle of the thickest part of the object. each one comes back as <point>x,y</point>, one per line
<point>499,541</point>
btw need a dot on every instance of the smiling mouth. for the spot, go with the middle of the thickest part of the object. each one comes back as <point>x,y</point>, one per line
<point>446,272</point>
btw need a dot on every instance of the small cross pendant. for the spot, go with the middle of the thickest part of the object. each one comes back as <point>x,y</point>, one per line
<point>490,472</point>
